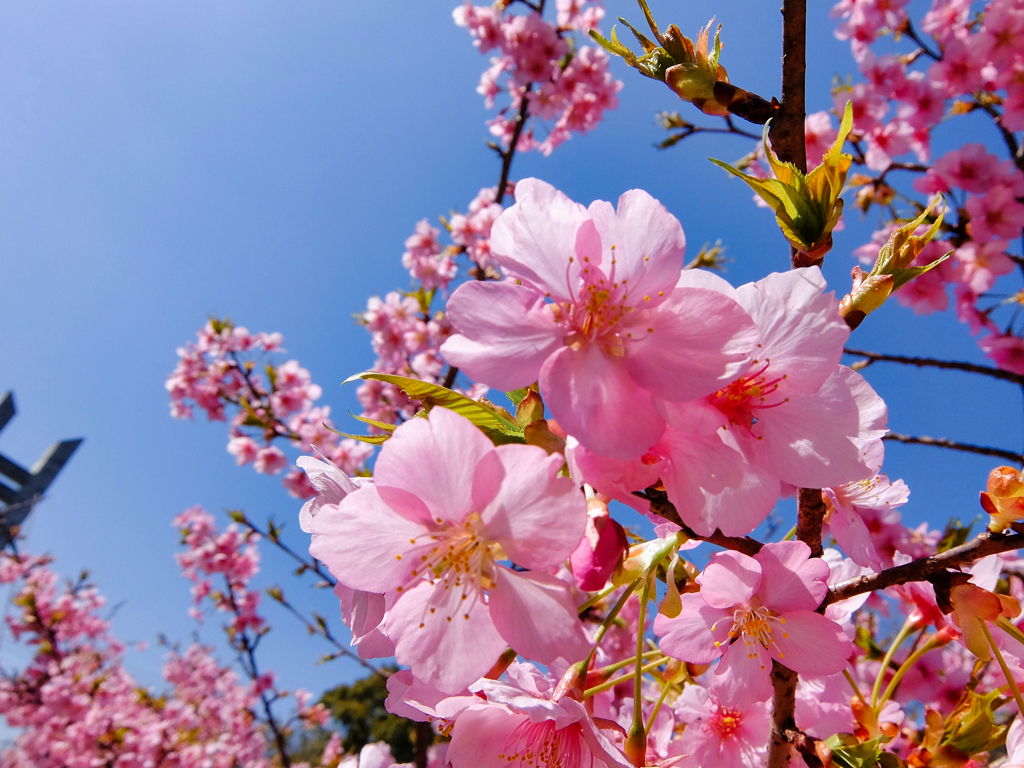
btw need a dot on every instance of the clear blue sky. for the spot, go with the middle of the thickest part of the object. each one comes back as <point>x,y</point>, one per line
<point>164,160</point>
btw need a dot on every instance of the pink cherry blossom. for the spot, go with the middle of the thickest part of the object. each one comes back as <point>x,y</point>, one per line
<point>445,508</point>
<point>848,503</point>
<point>720,734</point>
<point>1005,350</point>
<point>751,610</point>
<point>516,728</point>
<point>996,214</point>
<point>596,316</point>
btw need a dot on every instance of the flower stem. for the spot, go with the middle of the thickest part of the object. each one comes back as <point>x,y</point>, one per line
<point>657,705</point>
<point>903,634</point>
<point>929,645</point>
<point>1002,666</point>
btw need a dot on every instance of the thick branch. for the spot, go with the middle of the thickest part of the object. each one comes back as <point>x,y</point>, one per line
<point>987,543</point>
<point>928,362</point>
<point>787,131</point>
<point>942,442</point>
<point>787,135</point>
<point>811,514</point>
<point>783,705</point>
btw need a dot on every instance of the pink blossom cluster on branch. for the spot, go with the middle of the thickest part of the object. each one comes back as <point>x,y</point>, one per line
<point>566,84</point>
<point>461,555</point>
<point>964,63</point>
<point>220,371</point>
<point>80,708</point>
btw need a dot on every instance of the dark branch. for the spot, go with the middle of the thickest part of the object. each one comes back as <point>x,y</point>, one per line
<point>928,362</point>
<point>942,442</point>
<point>660,505</point>
<point>987,543</point>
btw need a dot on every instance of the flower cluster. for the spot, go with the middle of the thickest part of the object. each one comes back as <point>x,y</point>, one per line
<point>699,404</point>
<point>78,707</point>
<point>220,370</point>
<point>971,64</point>
<point>543,74</point>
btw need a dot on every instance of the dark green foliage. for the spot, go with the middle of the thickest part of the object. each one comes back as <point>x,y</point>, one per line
<point>359,707</point>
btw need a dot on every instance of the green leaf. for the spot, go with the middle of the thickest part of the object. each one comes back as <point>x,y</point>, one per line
<point>498,426</point>
<point>374,423</point>
<point>956,533</point>
<point>848,752</point>
<point>517,395</point>
<point>371,439</point>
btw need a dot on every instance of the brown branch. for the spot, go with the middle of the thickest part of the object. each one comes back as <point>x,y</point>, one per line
<point>811,514</point>
<point>928,362</point>
<point>787,135</point>
<point>787,131</point>
<point>987,543</point>
<point>942,442</point>
<point>783,706</point>
<point>660,505</point>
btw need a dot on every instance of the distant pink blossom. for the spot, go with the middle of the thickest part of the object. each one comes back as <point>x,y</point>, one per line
<point>720,734</point>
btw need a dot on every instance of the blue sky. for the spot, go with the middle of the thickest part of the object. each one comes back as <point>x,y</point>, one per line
<point>163,161</point>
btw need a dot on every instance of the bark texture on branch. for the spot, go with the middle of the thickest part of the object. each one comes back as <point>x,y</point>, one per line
<point>921,569</point>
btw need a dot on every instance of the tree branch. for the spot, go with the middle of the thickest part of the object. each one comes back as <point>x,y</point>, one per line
<point>942,442</point>
<point>928,362</point>
<point>660,505</point>
<point>787,135</point>
<point>987,543</point>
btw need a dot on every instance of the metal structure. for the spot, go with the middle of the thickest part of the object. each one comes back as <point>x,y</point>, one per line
<point>30,483</point>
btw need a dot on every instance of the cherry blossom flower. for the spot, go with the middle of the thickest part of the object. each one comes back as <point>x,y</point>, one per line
<point>617,331</point>
<point>516,728</point>
<point>720,734</point>
<point>751,610</point>
<point>445,508</point>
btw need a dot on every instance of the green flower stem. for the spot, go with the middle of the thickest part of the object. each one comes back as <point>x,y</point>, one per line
<point>657,705</point>
<point>929,645</point>
<point>598,597</point>
<point>1002,666</point>
<point>609,620</point>
<point>905,631</point>
<point>623,678</point>
<point>853,684</point>
<point>638,702</point>
<point>626,662</point>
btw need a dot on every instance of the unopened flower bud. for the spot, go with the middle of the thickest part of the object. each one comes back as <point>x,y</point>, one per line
<point>1004,498</point>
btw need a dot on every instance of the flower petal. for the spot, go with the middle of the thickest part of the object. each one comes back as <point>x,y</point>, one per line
<point>801,331</point>
<point>535,614</point>
<point>365,543</point>
<point>645,242</point>
<point>792,579</point>
<point>447,640</point>
<point>811,644</point>
<point>536,516</point>
<point>505,332</point>
<point>731,578</point>
<point>434,459</point>
<point>535,239</point>
<point>692,345</point>
<point>688,636</point>
<point>595,400</point>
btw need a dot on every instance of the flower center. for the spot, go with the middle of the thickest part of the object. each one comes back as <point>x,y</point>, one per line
<point>756,625</point>
<point>740,401</point>
<point>725,721</point>
<point>461,556</point>
<point>542,745</point>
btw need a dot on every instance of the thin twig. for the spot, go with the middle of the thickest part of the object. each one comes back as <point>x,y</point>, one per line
<point>987,543</point>
<point>928,362</point>
<point>909,31</point>
<point>942,442</point>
